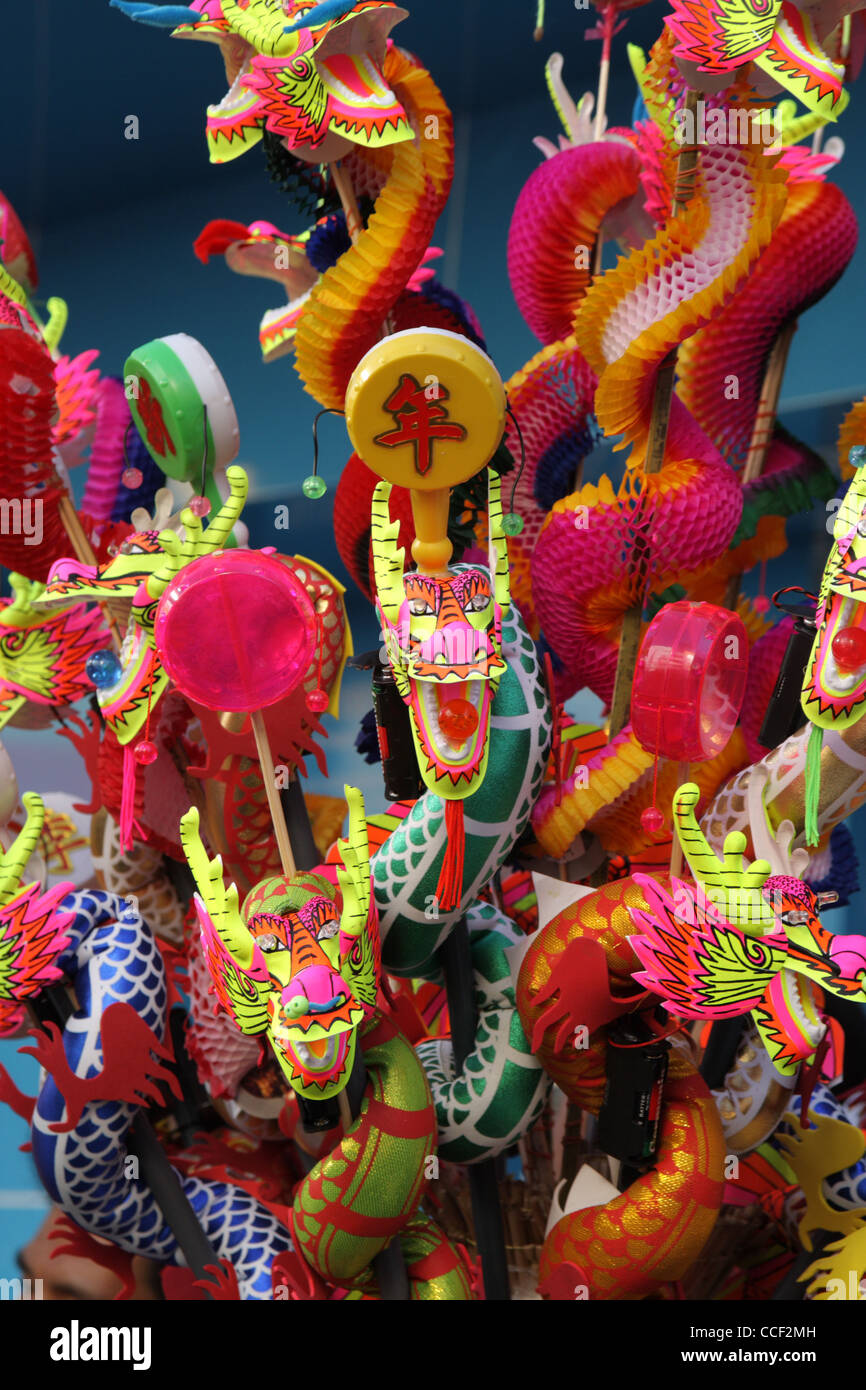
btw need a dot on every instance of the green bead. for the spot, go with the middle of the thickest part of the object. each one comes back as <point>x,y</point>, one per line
<point>512,524</point>
<point>314,486</point>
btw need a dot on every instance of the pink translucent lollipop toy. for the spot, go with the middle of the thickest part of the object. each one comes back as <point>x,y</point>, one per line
<point>688,688</point>
<point>236,631</point>
<point>690,681</point>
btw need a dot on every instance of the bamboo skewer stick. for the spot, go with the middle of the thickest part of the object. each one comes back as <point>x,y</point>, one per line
<point>676,848</point>
<point>608,23</point>
<point>266,763</point>
<point>354,223</point>
<point>629,646</point>
<point>343,185</point>
<point>762,430</point>
<point>84,552</point>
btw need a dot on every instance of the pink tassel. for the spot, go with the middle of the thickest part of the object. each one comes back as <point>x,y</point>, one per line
<point>129,826</point>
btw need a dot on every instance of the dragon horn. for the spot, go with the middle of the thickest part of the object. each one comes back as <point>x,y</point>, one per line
<point>354,877</point>
<point>160,16</point>
<point>563,102</point>
<point>220,527</point>
<point>13,862</point>
<point>322,13</point>
<point>221,902</point>
<point>264,32</point>
<point>388,557</point>
<point>498,544</point>
<point>198,541</point>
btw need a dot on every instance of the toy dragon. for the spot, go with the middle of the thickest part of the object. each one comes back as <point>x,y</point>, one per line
<point>705,966</point>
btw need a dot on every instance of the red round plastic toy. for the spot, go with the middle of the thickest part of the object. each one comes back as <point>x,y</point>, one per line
<point>690,681</point>
<point>236,630</point>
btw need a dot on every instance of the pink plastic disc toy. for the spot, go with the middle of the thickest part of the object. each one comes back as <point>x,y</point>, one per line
<point>690,681</point>
<point>236,630</point>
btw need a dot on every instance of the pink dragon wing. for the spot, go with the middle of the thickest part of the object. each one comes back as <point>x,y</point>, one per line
<point>31,938</point>
<point>243,993</point>
<point>700,965</point>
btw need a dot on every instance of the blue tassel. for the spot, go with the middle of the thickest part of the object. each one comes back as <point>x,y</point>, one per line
<point>160,16</point>
<point>320,14</point>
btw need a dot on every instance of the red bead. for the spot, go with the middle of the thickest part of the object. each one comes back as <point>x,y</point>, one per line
<point>458,720</point>
<point>849,648</point>
<point>199,506</point>
<point>145,752</point>
<point>131,477</point>
<point>652,820</point>
<point>318,700</point>
<point>761,604</point>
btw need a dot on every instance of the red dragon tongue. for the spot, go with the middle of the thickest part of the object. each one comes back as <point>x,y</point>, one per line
<point>458,717</point>
<point>452,691</point>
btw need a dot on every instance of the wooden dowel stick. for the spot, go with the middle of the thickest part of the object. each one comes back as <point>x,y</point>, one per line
<point>354,224</point>
<point>343,185</point>
<point>762,429</point>
<point>75,531</point>
<point>629,645</point>
<point>608,23</point>
<point>597,255</point>
<point>266,763</point>
<point>84,552</point>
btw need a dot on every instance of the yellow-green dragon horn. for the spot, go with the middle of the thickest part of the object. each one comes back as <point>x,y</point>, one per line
<point>498,543</point>
<point>199,541</point>
<point>388,557</point>
<point>221,902</point>
<point>354,874</point>
<point>14,861</point>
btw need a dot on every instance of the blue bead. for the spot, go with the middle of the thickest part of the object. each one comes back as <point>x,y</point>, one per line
<point>103,668</point>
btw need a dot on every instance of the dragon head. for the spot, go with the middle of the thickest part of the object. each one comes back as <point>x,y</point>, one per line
<point>313,1012</point>
<point>834,687</point>
<point>742,939</point>
<point>309,73</point>
<point>262,250</point>
<point>146,563</point>
<point>443,636</point>
<point>836,963</point>
<point>138,555</point>
<point>42,655</point>
<point>292,965</point>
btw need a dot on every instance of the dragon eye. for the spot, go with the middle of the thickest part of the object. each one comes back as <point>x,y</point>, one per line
<point>329,928</point>
<point>267,942</point>
<point>419,607</point>
<point>477,603</point>
<point>794,919</point>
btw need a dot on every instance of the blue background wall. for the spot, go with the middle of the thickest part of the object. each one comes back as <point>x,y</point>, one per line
<point>113,221</point>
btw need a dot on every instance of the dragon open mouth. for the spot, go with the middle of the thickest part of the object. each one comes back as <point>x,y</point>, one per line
<point>842,656</point>
<point>238,58</point>
<point>451,723</point>
<point>316,1058</point>
<point>321,1055</point>
<point>801,997</point>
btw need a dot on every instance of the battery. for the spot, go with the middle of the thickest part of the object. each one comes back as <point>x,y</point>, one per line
<point>784,712</point>
<point>637,1065</point>
<point>394,726</point>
